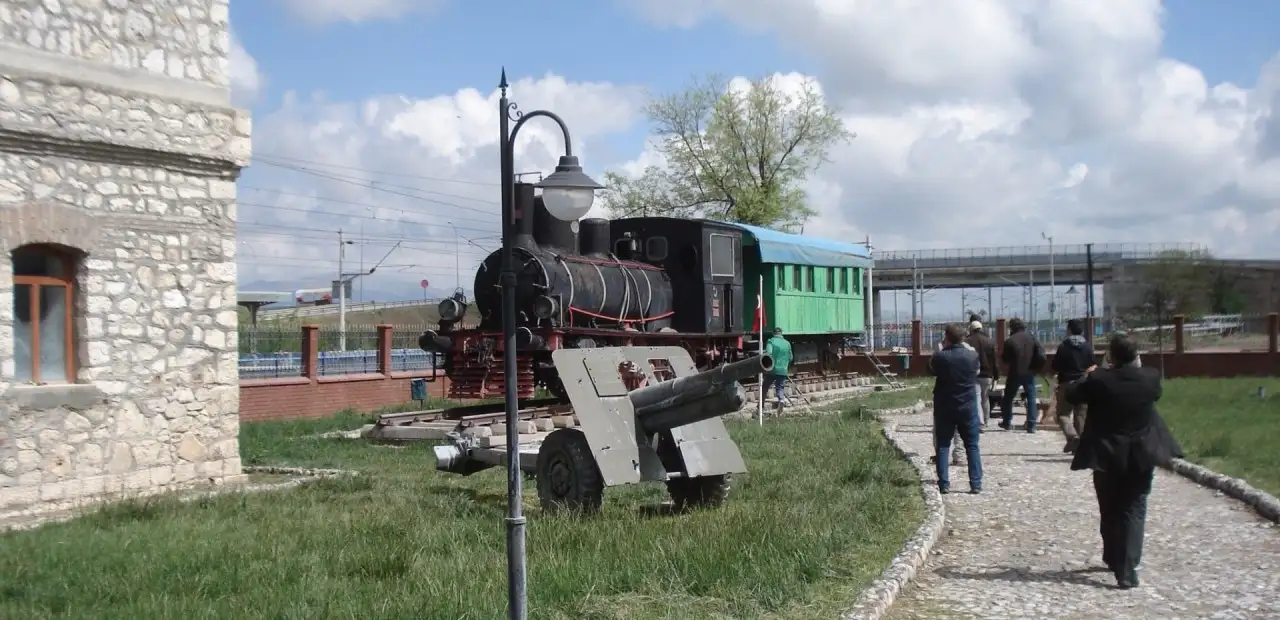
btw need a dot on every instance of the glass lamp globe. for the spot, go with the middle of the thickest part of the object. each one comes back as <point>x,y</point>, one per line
<point>568,193</point>
<point>566,203</point>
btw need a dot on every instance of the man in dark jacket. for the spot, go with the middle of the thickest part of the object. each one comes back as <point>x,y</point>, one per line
<point>988,372</point>
<point>1024,358</point>
<point>1123,441</point>
<point>1073,360</point>
<point>955,371</point>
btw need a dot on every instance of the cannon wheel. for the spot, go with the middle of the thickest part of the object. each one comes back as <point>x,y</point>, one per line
<point>568,477</point>
<point>700,492</point>
<point>687,493</point>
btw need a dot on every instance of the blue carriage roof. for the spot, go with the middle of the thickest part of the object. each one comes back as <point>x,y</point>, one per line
<point>790,249</point>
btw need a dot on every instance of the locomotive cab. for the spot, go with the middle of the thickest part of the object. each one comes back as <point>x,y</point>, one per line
<point>703,258</point>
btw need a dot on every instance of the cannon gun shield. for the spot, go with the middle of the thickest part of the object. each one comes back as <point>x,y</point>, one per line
<point>645,414</point>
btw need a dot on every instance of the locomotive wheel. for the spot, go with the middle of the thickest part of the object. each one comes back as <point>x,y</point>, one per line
<point>700,492</point>
<point>568,477</point>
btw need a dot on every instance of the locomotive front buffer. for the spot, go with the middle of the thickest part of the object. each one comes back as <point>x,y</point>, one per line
<point>643,414</point>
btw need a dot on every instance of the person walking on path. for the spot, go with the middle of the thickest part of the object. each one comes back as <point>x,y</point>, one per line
<point>1024,359</point>
<point>1073,360</point>
<point>955,370</point>
<point>1123,441</point>
<point>779,349</point>
<point>988,372</point>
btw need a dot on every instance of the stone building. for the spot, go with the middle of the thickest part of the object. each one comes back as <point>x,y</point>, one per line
<point>119,151</point>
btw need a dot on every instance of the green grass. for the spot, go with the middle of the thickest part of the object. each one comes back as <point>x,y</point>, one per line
<point>825,507</point>
<point>1223,425</point>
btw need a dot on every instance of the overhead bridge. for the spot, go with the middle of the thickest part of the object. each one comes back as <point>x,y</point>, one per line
<point>1014,265</point>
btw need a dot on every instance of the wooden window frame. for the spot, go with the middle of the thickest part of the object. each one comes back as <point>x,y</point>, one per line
<point>67,281</point>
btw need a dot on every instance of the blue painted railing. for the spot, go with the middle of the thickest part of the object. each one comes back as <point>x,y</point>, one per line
<point>328,363</point>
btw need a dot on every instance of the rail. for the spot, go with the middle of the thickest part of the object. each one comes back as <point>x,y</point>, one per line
<point>1116,251</point>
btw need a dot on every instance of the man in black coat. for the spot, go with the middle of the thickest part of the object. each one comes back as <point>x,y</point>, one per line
<point>1024,358</point>
<point>1123,441</point>
<point>955,371</point>
<point>1071,362</point>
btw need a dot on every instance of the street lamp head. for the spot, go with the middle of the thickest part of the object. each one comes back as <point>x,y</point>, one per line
<point>568,192</point>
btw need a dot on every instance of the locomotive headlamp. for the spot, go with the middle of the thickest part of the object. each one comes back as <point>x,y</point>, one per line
<point>451,309</point>
<point>544,307</point>
<point>568,192</point>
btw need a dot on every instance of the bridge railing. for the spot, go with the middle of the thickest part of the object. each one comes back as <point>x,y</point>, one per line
<point>1018,255</point>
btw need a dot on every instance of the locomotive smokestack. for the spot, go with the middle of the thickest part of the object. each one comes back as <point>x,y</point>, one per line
<point>593,237</point>
<point>524,215</point>
<point>552,233</point>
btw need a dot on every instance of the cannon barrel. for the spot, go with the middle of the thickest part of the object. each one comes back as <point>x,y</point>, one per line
<point>693,398</point>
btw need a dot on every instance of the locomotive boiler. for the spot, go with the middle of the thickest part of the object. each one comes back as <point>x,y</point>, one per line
<point>587,287</point>
<point>593,283</point>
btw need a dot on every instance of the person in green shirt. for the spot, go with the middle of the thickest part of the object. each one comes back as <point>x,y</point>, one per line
<point>779,349</point>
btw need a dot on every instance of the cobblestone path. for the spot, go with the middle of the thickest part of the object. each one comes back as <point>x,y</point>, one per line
<point>1028,546</point>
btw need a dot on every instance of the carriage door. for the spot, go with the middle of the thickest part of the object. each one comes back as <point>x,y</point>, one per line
<point>722,272</point>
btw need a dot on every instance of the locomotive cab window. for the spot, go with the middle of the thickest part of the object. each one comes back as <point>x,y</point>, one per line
<point>722,256</point>
<point>655,249</point>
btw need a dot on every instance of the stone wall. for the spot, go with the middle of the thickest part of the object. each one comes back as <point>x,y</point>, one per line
<point>118,145</point>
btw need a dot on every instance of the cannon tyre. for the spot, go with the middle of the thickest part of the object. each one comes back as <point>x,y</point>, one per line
<point>568,477</point>
<point>701,492</point>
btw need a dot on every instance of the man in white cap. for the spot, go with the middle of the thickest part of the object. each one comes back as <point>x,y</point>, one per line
<point>988,372</point>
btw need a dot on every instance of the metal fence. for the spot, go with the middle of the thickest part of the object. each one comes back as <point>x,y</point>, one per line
<point>1217,332</point>
<point>272,352</point>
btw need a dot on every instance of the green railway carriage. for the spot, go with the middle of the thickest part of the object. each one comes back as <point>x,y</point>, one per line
<point>813,289</point>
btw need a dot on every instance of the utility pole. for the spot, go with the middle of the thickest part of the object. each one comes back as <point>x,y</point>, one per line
<point>1088,257</point>
<point>871,302</point>
<point>342,295</point>
<point>964,307</point>
<point>991,317</point>
<point>914,276</point>
<point>1053,293</point>
<point>343,279</point>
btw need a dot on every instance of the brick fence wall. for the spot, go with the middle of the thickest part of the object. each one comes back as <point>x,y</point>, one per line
<point>311,395</point>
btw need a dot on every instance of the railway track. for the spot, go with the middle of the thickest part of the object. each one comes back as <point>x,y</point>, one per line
<point>486,422</point>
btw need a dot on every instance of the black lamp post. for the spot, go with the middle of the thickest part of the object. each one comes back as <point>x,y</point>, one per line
<point>567,194</point>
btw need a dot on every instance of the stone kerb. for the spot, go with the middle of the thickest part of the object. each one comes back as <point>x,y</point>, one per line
<point>876,599</point>
<point>1262,502</point>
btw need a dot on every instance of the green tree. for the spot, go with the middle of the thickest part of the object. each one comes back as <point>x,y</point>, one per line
<point>1176,282</point>
<point>740,156</point>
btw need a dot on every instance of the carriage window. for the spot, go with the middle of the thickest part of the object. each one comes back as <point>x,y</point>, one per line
<point>797,278</point>
<point>844,280</point>
<point>831,279</point>
<point>781,284</point>
<point>655,249</point>
<point>723,259</point>
<point>808,280</point>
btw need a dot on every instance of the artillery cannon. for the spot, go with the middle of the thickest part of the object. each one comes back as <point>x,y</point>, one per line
<point>644,414</point>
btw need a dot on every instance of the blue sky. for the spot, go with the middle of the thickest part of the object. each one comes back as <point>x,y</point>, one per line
<point>464,45</point>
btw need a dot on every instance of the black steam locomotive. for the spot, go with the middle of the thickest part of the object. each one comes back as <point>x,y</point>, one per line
<point>596,282</point>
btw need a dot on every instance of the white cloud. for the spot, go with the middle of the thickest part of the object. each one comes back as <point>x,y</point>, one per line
<point>983,123</point>
<point>246,80</point>
<point>979,123</point>
<point>419,171</point>
<point>321,12</point>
